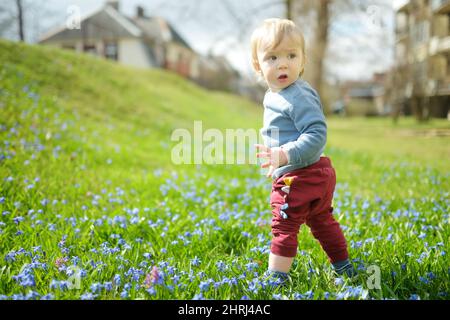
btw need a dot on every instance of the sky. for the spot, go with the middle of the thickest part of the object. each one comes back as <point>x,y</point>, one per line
<point>209,25</point>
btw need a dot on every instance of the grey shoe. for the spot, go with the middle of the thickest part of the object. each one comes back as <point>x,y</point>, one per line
<point>345,268</point>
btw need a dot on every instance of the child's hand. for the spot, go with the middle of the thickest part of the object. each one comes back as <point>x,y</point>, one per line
<point>276,158</point>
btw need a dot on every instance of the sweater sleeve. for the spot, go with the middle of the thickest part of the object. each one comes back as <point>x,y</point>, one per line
<point>308,117</point>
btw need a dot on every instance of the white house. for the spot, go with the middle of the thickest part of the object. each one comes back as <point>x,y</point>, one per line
<point>138,41</point>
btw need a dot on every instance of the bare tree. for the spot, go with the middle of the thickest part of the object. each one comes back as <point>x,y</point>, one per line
<point>23,20</point>
<point>320,42</point>
<point>318,19</point>
<point>321,15</point>
<point>20,21</point>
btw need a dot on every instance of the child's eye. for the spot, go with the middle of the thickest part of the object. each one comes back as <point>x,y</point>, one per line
<point>272,58</point>
<point>292,56</point>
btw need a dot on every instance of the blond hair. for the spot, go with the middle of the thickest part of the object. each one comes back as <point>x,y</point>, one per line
<point>270,34</point>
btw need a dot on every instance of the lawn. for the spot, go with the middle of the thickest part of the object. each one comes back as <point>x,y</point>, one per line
<point>93,208</point>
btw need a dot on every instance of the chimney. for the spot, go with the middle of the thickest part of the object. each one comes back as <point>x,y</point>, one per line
<point>113,3</point>
<point>140,12</point>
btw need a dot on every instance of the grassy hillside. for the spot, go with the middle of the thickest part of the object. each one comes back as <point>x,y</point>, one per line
<point>115,102</point>
<point>88,189</point>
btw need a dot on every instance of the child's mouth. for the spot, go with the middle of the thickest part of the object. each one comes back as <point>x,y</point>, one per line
<point>283,77</point>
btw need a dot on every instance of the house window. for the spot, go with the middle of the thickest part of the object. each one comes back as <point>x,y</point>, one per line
<point>111,51</point>
<point>91,49</point>
<point>421,32</point>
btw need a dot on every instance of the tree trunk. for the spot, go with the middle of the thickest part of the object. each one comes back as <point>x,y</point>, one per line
<point>320,45</point>
<point>288,9</point>
<point>20,19</point>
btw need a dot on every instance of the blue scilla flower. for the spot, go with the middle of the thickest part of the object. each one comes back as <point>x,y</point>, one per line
<point>298,296</point>
<point>221,266</point>
<point>175,279</point>
<point>253,286</point>
<point>196,261</point>
<point>204,285</point>
<point>431,275</point>
<point>147,255</point>
<point>341,295</point>
<point>424,280</point>
<point>108,286</point>
<point>26,278</point>
<point>251,266</point>
<point>127,286</point>
<point>309,294</point>
<point>96,287</point>
<point>134,220</point>
<point>151,291</point>
<point>88,296</point>
<point>117,280</point>
<point>414,297</point>
<point>18,219</point>
<point>423,255</point>
<point>61,285</point>
<point>198,296</point>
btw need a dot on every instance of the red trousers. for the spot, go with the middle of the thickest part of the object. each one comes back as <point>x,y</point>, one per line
<point>307,200</point>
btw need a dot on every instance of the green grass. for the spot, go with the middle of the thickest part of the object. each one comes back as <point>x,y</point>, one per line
<point>87,182</point>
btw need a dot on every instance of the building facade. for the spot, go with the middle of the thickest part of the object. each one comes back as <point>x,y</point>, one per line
<point>421,76</point>
<point>143,42</point>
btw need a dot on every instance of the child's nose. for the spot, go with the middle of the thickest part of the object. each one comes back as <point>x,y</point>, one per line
<point>282,63</point>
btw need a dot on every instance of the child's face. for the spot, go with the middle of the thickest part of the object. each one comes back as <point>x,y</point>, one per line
<point>281,66</point>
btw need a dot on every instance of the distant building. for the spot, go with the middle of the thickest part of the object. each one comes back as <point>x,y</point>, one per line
<point>365,98</point>
<point>143,42</point>
<point>421,76</point>
<point>139,41</point>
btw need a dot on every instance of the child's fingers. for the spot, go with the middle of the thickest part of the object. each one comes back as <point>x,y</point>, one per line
<point>267,164</point>
<point>262,147</point>
<point>263,155</point>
